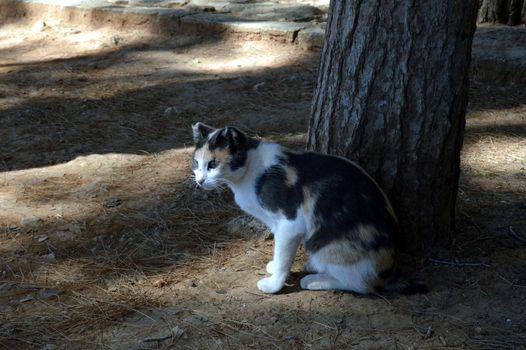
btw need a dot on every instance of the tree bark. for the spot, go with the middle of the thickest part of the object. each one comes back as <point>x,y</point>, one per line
<point>510,12</point>
<point>391,95</point>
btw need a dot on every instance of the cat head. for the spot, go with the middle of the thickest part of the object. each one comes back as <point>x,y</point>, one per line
<point>220,155</point>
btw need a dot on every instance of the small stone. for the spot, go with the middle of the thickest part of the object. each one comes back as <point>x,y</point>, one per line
<point>112,202</point>
<point>258,86</point>
<point>196,61</point>
<point>115,40</point>
<point>159,283</point>
<point>192,284</point>
<point>478,330</point>
<point>221,291</point>
<point>42,238</point>
<point>273,319</point>
<point>509,321</point>
<point>177,331</point>
<point>39,26</point>
<point>30,222</point>
<point>26,298</point>
<point>48,257</point>
<point>47,294</point>
<point>172,112</point>
<point>202,318</point>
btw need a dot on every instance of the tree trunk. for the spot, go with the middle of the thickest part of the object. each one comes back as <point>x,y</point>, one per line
<point>510,12</point>
<point>391,95</point>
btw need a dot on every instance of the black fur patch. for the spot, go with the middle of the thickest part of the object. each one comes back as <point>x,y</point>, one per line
<point>274,194</point>
<point>346,199</point>
<point>239,157</point>
<point>402,285</point>
<point>387,273</point>
<point>200,132</point>
<point>200,144</point>
<point>237,143</point>
<point>217,140</point>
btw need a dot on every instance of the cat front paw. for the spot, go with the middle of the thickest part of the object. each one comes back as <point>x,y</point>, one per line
<point>270,285</point>
<point>270,267</point>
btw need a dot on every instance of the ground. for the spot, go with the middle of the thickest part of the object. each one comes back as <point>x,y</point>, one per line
<point>106,242</point>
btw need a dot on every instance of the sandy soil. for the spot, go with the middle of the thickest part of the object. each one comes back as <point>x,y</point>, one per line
<point>106,243</point>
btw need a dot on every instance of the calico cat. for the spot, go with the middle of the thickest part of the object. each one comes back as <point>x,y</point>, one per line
<point>343,218</point>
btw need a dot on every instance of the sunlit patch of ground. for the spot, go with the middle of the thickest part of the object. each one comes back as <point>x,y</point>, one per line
<point>495,149</point>
<point>106,242</point>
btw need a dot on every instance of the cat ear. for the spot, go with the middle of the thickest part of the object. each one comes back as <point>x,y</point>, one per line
<point>236,138</point>
<point>201,131</point>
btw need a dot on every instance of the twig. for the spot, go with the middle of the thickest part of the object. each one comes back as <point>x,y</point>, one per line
<point>510,282</point>
<point>157,339</point>
<point>326,326</point>
<point>458,264</point>
<point>472,221</point>
<point>516,235</point>
<point>384,298</point>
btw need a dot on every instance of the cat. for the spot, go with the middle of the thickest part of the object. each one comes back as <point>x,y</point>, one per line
<point>328,203</point>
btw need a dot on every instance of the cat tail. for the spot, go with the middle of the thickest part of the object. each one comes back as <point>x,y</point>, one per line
<point>403,285</point>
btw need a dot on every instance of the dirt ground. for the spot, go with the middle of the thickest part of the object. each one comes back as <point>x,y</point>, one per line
<point>106,243</point>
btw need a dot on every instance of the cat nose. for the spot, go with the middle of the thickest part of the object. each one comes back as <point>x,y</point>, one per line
<point>200,182</point>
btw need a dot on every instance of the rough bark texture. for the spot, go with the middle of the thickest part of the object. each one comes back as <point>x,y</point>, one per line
<point>510,12</point>
<point>391,94</point>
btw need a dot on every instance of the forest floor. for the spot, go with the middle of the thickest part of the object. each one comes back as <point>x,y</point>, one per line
<point>105,241</point>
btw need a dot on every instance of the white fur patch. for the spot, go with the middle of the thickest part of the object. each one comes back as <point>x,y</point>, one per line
<point>348,277</point>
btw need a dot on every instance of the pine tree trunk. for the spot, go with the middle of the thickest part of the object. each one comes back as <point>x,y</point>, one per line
<point>391,94</point>
<point>510,12</point>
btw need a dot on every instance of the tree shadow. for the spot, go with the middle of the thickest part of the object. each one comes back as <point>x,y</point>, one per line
<point>106,107</point>
<point>171,224</point>
<point>78,120</point>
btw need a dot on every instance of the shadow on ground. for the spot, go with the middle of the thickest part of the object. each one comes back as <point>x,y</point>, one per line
<point>108,243</point>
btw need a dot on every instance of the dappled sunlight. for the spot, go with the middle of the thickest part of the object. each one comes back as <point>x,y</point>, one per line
<point>243,57</point>
<point>105,239</point>
<point>492,118</point>
<point>45,41</point>
<point>70,190</point>
<point>137,96</point>
<point>247,57</point>
<point>494,155</point>
<point>127,224</point>
<point>495,146</point>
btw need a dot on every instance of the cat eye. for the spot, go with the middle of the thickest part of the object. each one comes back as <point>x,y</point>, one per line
<point>212,164</point>
<point>194,163</point>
